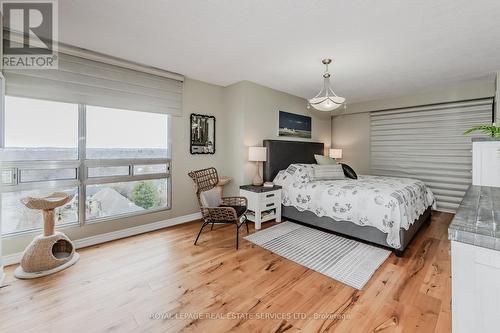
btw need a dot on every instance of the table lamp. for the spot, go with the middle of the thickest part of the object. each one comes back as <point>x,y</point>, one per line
<point>257,155</point>
<point>336,153</point>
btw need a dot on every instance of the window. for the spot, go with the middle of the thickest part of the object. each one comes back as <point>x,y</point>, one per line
<point>108,171</point>
<point>149,169</point>
<point>120,167</point>
<point>425,143</point>
<point>113,133</point>
<point>17,218</point>
<point>40,175</point>
<point>40,130</point>
<point>105,200</point>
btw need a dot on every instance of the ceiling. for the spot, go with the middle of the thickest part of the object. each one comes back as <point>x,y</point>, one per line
<point>381,49</point>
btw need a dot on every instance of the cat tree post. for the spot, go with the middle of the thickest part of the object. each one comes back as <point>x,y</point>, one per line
<point>49,220</point>
<point>53,251</point>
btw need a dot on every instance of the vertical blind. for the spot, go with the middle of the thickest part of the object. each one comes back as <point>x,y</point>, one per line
<point>427,143</point>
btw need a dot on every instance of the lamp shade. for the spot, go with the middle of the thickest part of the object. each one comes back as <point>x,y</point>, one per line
<point>336,153</point>
<point>257,154</point>
<point>326,103</point>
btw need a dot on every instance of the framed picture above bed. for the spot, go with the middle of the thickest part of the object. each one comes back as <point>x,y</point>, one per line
<point>202,134</point>
<point>294,125</point>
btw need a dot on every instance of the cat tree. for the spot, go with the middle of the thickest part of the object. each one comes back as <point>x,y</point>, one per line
<point>53,251</point>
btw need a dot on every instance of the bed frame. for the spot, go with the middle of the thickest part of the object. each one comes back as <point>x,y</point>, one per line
<point>280,154</point>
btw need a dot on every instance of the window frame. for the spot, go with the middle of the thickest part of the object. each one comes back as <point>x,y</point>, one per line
<point>82,180</point>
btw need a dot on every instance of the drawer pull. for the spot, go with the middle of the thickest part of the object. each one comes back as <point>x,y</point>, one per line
<point>270,195</point>
<point>270,205</point>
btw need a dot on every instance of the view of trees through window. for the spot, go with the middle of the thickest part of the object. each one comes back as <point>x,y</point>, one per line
<point>128,197</point>
<point>41,146</point>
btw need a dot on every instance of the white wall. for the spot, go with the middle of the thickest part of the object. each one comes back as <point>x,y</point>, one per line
<point>254,113</point>
<point>234,99</point>
<point>480,88</point>
<point>497,98</point>
<point>351,132</point>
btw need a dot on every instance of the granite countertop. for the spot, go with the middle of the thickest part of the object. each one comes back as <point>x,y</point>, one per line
<point>484,138</point>
<point>477,221</point>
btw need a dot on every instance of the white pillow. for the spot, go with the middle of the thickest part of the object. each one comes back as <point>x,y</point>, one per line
<point>328,172</point>
<point>324,160</point>
<point>211,198</point>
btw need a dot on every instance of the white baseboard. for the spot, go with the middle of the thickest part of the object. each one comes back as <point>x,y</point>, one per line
<point>11,259</point>
<point>15,258</point>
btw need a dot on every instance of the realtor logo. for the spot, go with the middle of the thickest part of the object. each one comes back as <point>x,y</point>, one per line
<point>29,34</point>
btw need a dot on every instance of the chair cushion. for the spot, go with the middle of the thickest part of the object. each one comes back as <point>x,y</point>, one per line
<point>240,210</point>
<point>211,198</point>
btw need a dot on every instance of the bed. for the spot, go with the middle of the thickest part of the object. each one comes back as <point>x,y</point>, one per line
<point>387,211</point>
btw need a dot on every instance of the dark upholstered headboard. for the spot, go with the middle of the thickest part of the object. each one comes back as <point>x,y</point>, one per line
<point>280,154</point>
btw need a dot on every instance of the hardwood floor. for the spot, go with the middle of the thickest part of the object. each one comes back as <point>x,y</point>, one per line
<point>131,285</point>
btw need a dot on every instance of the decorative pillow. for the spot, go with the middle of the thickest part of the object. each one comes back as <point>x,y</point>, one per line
<point>211,198</point>
<point>324,160</point>
<point>348,171</point>
<point>301,173</point>
<point>328,172</point>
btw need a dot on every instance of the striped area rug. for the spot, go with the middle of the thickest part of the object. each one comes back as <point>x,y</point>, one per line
<point>342,259</point>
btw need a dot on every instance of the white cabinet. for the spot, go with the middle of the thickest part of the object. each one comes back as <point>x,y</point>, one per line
<point>2,274</point>
<point>486,163</point>
<point>475,288</point>
<point>264,204</point>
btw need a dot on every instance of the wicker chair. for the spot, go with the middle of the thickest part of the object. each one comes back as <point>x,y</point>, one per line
<point>232,210</point>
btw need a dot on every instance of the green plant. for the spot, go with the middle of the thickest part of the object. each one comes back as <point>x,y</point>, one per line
<point>145,195</point>
<point>492,130</point>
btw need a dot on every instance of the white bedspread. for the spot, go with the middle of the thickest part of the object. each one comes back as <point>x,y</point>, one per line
<point>386,203</point>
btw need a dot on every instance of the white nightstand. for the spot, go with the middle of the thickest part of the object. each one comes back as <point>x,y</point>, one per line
<point>264,203</point>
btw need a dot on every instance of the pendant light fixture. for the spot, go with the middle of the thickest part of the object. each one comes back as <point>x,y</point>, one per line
<point>326,100</point>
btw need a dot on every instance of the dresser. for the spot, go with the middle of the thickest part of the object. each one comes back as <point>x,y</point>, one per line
<point>486,161</point>
<point>475,261</point>
<point>264,203</point>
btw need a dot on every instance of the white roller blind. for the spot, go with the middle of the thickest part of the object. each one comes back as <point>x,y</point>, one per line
<point>427,143</point>
<point>81,80</point>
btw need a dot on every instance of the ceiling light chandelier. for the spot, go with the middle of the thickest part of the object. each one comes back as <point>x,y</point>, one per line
<point>326,100</point>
